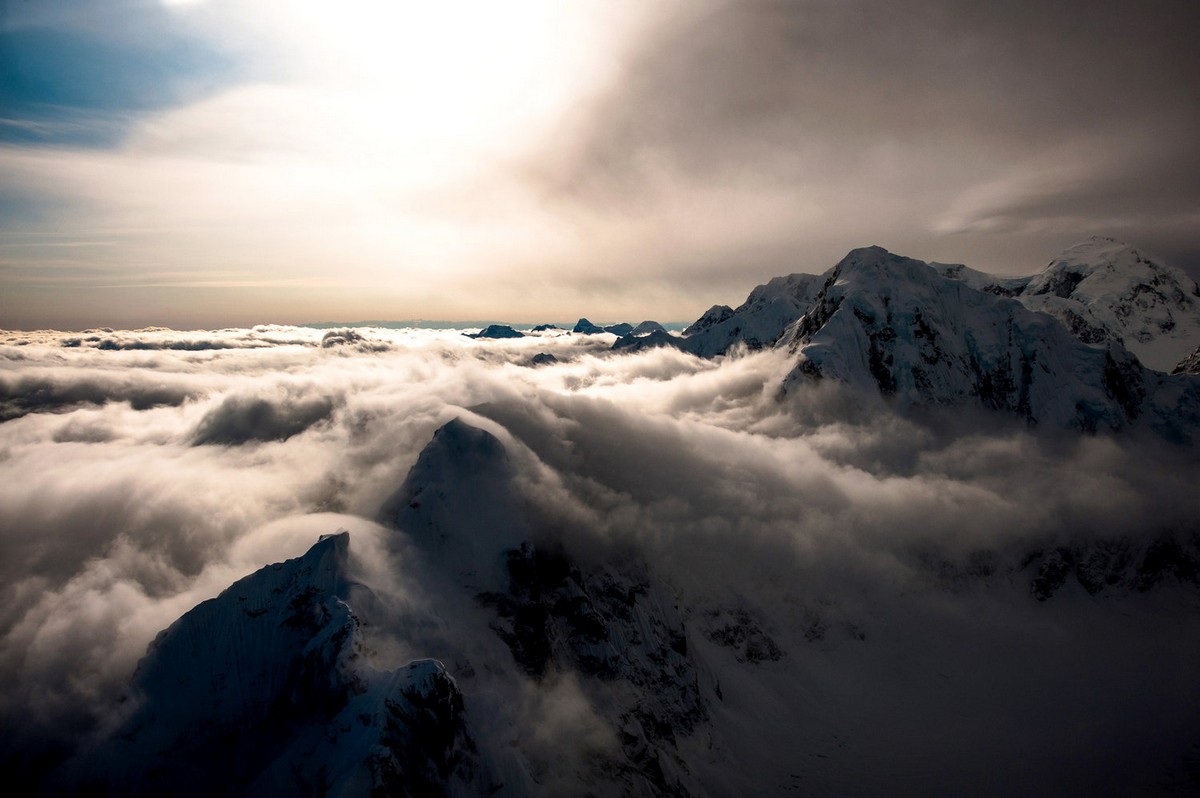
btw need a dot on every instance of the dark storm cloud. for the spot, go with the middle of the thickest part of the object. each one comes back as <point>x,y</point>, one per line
<point>737,81</point>
<point>909,106</point>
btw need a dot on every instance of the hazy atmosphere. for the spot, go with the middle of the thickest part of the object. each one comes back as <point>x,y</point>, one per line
<point>600,398</point>
<point>209,163</point>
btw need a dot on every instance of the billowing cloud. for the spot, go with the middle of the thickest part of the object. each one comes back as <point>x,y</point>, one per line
<point>822,520</point>
<point>240,419</point>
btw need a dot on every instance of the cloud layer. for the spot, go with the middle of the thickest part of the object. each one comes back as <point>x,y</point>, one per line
<point>135,482</point>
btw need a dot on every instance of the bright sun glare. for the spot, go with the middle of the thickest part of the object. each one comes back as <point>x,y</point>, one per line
<point>434,83</point>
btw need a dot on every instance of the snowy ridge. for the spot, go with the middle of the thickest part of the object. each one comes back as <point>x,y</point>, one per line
<point>1061,348</point>
<point>894,325</point>
<point>267,679</point>
<point>1115,565</point>
<point>758,322</point>
<point>1104,289</point>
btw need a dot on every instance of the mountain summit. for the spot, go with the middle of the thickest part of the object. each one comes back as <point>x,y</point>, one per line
<point>264,690</point>
<point>1050,348</point>
<point>1104,289</point>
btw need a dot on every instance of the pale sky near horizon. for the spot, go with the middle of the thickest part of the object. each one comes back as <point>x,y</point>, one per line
<point>213,163</point>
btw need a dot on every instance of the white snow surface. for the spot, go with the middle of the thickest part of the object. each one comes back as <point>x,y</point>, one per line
<point>264,690</point>
<point>758,322</point>
<point>1104,288</point>
<point>892,324</point>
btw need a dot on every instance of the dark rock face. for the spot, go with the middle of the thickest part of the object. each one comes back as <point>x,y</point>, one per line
<point>543,359</point>
<point>586,328</point>
<point>711,317</point>
<point>639,343</point>
<point>610,626</point>
<point>1189,365</point>
<point>736,629</point>
<point>1116,565</point>
<point>425,741</point>
<point>1082,329</point>
<point>1123,380</point>
<point>1052,573</point>
<point>497,331</point>
<point>623,328</point>
<point>759,322</point>
<point>1061,283</point>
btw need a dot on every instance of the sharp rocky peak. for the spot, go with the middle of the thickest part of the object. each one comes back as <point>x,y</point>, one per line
<point>459,504</point>
<point>270,680</point>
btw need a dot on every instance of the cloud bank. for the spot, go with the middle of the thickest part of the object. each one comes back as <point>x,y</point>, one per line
<point>136,482</point>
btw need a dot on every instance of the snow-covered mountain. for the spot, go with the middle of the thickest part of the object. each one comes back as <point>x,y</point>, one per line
<point>894,325</point>
<point>271,678</point>
<point>459,506</point>
<point>1061,348</point>
<point>758,322</point>
<point>607,622</point>
<point>264,691</point>
<point>1103,289</point>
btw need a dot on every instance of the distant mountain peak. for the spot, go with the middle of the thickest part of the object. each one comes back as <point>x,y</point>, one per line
<point>458,503</point>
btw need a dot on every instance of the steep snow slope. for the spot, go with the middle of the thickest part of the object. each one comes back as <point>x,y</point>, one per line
<point>758,322</point>
<point>1102,289</point>
<point>892,324</point>
<point>262,691</point>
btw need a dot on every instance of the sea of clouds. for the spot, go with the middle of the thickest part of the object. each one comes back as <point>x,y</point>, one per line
<point>142,472</point>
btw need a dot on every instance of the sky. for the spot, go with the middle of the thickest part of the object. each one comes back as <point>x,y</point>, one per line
<point>212,163</point>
